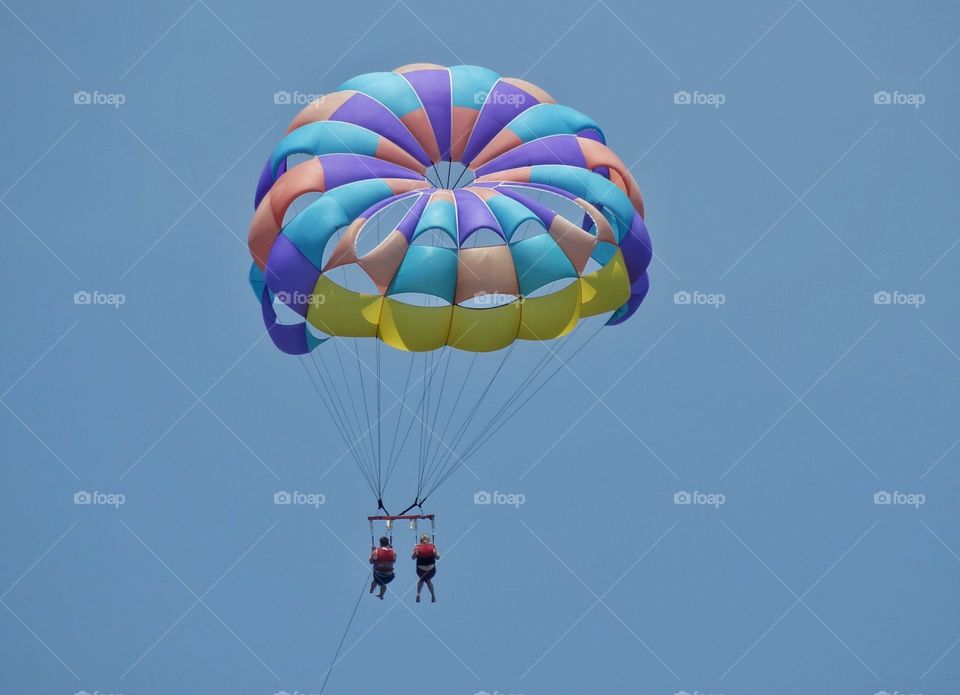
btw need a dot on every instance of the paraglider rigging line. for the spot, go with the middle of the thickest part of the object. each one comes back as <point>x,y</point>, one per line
<point>347,630</point>
<point>324,398</point>
<point>433,426</point>
<point>488,432</point>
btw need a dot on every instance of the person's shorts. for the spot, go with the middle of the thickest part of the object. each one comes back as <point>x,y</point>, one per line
<point>426,572</point>
<point>383,578</point>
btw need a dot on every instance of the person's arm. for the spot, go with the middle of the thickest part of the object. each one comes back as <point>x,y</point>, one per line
<point>413,555</point>
<point>436,553</point>
<point>373,555</point>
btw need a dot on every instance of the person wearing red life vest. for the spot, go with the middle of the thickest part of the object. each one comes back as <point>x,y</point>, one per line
<point>382,559</point>
<point>426,555</point>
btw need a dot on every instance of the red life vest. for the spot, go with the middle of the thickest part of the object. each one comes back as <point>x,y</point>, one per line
<point>426,553</point>
<point>383,559</point>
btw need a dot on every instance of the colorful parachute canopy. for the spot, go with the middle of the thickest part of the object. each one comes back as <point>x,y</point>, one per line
<point>383,142</point>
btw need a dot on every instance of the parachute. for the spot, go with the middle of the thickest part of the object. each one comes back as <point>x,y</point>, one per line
<point>450,215</point>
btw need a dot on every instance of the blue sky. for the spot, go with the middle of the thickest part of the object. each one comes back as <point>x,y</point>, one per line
<point>804,201</point>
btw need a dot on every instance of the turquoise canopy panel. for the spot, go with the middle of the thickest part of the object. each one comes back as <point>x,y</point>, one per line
<point>540,261</point>
<point>427,270</point>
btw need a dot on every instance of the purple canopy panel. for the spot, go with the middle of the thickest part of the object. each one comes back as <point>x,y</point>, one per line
<point>591,134</point>
<point>473,214</point>
<point>381,204</point>
<point>372,115</point>
<point>561,149</point>
<point>503,103</point>
<point>339,169</point>
<point>545,214</point>
<point>639,290</point>
<point>636,248</point>
<point>290,275</point>
<point>433,88</point>
<point>267,179</point>
<point>292,339</point>
<point>408,225</point>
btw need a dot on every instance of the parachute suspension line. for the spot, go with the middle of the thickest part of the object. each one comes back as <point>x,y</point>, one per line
<point>470,451</point>
<point>327,405</point>
<point>391,461</point>
<point>464,426</point>
<point>425,413</point>
<point>379,411</point>
<point>345,632</point>
<point>500,415</point>
<point>379,414</point>
<point>436,412</point>
<point>396,452</point>
<point>338,413</point>
<point>346,424</point>
<point>563,364</point>
<point>506,403</point>
<point>366,407</point>
<point>419,409</point>
<point>462,172</point>
<point>443,448</point>
<point>347,388</point>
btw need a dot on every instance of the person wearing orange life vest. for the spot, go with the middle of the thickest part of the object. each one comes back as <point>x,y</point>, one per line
<point>382,559</point>
<point>426,555</point>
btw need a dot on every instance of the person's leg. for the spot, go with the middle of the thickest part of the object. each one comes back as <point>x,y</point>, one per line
<point>373,585</point>
<point>433,596</point>
<point>419,588</point>
<point>383,590</point>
